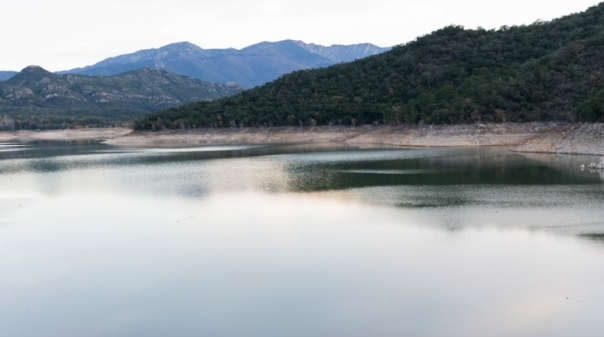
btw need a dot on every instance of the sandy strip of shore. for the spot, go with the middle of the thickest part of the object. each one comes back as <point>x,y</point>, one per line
<point>63,135</point>
<point>522,137</point>
<point>450,135</point>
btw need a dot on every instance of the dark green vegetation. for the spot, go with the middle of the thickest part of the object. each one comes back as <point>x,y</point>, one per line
<point>541,72</point>
<point>38,99</point>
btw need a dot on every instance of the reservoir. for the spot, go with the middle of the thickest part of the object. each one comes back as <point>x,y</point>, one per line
<point>298,240</point>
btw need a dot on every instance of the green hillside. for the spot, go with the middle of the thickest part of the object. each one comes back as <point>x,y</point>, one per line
<point>540,72</point>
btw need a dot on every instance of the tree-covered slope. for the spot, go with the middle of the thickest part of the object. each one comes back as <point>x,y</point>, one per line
<point>544,71</point>
<point>36,98</point>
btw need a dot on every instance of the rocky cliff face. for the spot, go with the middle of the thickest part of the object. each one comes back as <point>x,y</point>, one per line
<point>138,91</point>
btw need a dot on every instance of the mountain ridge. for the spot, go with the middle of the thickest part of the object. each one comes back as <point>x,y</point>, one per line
<point>37,96</point>
<point>250,66</point>
<point>6,74</point>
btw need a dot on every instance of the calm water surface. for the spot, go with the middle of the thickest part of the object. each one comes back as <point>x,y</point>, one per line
<point>298,241</point>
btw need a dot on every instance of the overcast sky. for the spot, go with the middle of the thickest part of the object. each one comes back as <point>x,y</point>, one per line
<point>64,34</point>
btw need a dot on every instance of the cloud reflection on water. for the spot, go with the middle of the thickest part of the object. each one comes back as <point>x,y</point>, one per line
<point>317,264</point>
<point>278,241</point>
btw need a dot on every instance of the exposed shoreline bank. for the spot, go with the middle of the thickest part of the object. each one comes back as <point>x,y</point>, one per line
<point>562,138</point>
<point>63,135</point>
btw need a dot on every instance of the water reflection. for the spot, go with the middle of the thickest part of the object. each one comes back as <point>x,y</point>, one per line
<point>297,241</point>
<point>423,179</point>
<point>594,236</point>
<point>262,264</point>
<point>461,167</point>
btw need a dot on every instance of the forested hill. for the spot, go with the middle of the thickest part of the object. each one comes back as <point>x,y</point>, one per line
<point>38,99</point>
<point>541,72</point>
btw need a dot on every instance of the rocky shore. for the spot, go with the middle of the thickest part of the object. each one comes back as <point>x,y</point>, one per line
<point>63,135</point>
<point>526,137</point>
<point>569,138</point>
<point>560,138</point>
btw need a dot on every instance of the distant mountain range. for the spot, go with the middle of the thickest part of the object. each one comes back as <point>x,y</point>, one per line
<point>249,67</point>
<point>37,96</point>
<point>5,75</point>
<point>124,87</point>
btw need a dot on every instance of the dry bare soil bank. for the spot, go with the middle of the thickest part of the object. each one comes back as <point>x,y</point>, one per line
<point>63,135</point>
<point>528,137</point>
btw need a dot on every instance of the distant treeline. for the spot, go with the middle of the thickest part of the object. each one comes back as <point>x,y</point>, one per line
<point>540,72</point>
<point>49,119</point>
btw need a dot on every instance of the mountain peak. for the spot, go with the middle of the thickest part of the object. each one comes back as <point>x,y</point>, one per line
<point>30,75</point>
<point>338,53</point>
<point>34,70</point>
<point>181,44</point>
<point>250,66</point>
<point>181,47</point>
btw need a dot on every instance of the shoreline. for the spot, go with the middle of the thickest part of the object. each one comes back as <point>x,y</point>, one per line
<point>560,138</point>
<point>63,135</point>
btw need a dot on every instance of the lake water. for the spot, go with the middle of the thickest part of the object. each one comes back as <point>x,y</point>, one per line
<point>298,241</point>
